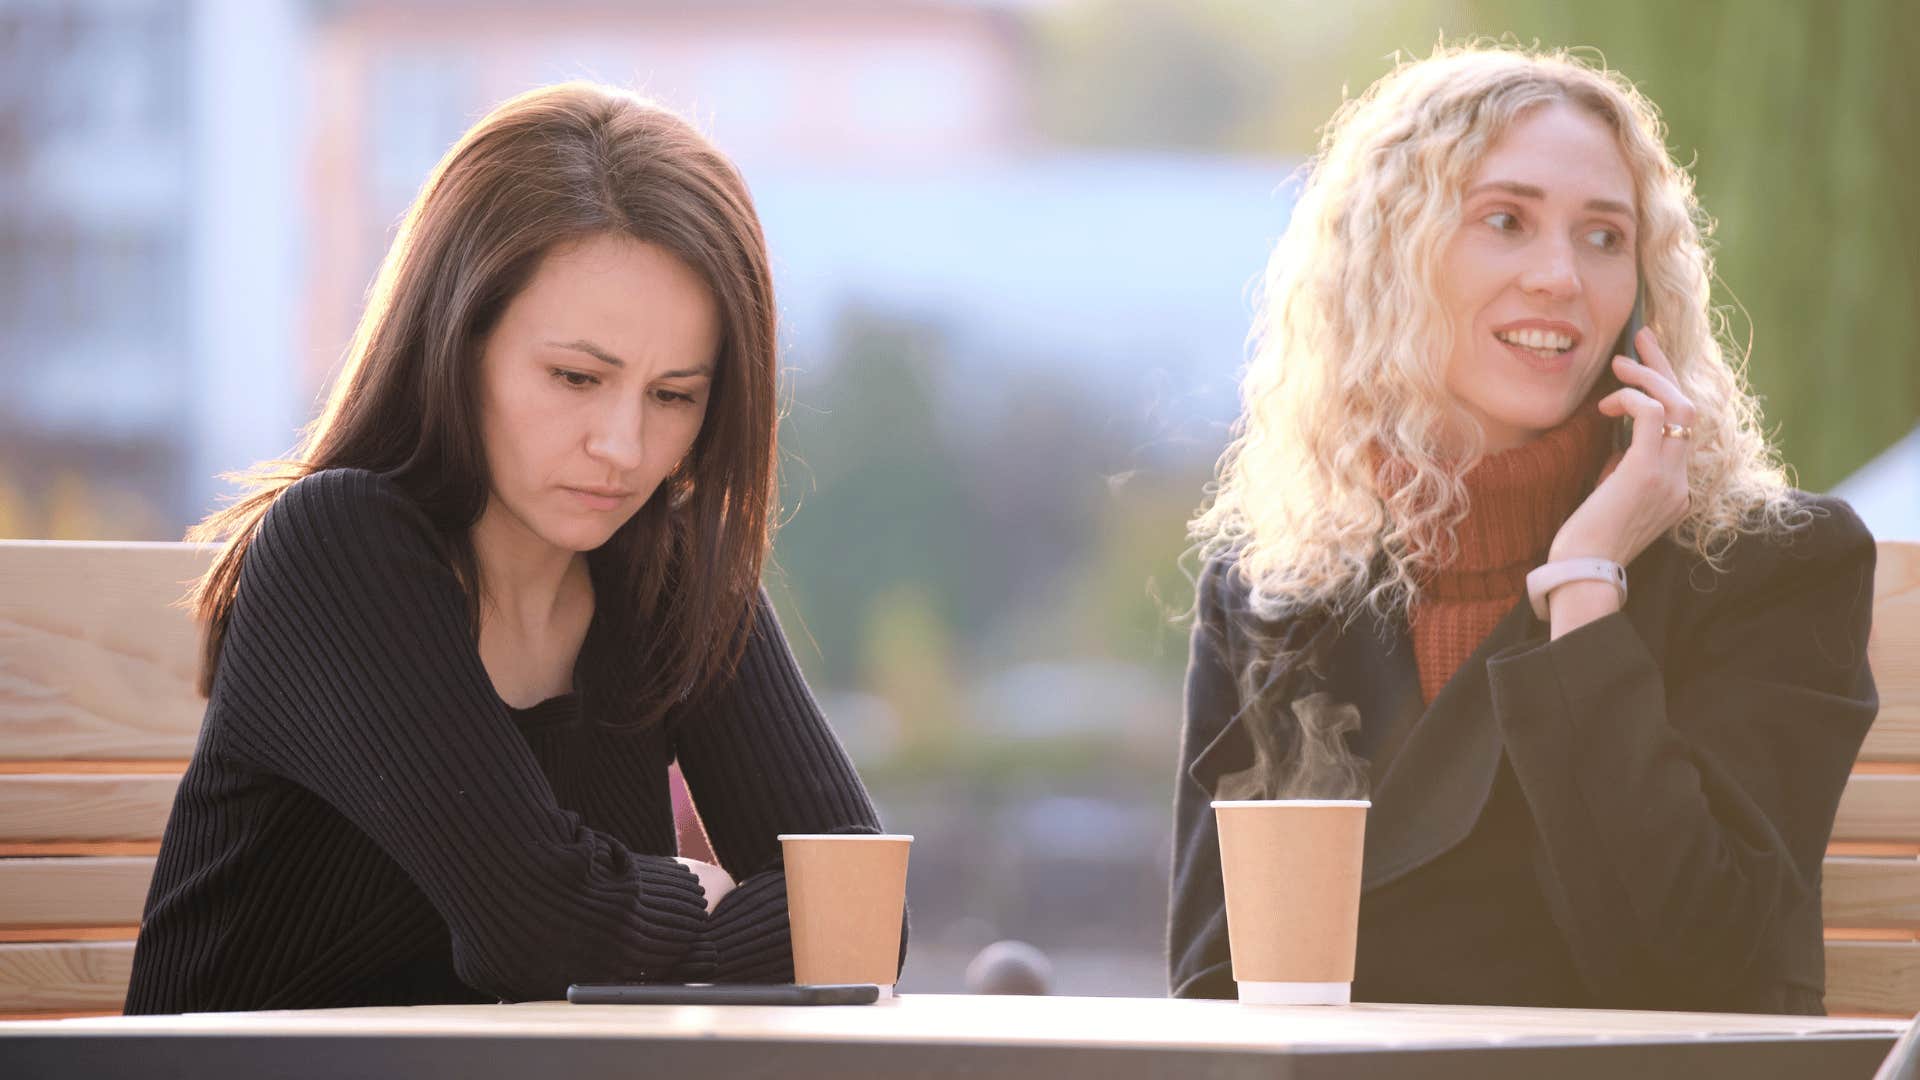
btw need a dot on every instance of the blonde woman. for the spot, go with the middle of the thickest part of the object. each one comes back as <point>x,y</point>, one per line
<point>1610,684</point>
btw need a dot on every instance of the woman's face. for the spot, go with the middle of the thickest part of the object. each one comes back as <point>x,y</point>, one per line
<point>595,383</point>
<point>1539,276</point>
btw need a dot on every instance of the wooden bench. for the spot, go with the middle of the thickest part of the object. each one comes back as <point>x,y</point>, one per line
<point>98,715</point>
<point>1872,876</point>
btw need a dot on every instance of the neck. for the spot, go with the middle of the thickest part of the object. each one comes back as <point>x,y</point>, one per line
<point>522,577</point>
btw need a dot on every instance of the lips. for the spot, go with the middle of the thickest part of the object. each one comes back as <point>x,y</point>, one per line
<point>600,498</point>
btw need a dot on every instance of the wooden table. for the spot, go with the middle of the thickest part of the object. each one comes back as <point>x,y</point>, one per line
<point>934,1035</point>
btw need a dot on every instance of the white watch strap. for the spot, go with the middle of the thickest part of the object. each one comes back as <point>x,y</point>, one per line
<point>1542,580</point>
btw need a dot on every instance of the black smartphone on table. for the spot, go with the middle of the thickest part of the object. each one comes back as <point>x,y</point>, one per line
<point>723,994</point>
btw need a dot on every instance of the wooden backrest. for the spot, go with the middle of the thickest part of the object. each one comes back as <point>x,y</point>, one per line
<point>1872,874</point>
<point>98,714</point>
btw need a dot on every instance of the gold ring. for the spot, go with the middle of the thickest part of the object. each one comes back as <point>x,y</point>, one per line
<point>1676,431</point>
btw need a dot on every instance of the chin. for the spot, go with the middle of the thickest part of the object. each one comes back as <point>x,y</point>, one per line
<point>1535,415</point>
<point>1537,423</point>
<point>579,535</point>
<point>1532,423</point>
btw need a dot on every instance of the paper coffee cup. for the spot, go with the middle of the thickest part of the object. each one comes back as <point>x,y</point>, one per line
<point>1291,869</point>
<point>846,894</point>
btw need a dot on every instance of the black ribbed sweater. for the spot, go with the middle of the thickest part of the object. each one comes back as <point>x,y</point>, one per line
<point>365,822</point>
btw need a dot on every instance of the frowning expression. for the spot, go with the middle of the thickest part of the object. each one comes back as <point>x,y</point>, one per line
<point>595,384</point>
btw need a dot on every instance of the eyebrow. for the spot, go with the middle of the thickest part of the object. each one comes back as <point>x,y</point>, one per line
<point>1528,191</point>
<point>605,357</point>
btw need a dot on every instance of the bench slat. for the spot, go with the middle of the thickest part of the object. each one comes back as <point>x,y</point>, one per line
<point>95,661</point>
<point>73,892</point>
<point>1871,893</point>
<point>66,977</point>
<point>1879,807</point>
<point>1873,976</point>
<point>35,809</point>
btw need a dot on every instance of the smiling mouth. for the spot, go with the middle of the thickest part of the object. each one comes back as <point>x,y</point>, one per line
<point>1545,344</point>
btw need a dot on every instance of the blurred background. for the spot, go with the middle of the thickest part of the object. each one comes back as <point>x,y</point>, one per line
<point>1014,243</point>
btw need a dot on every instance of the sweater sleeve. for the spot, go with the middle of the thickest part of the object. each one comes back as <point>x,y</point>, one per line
<point>1682,803</point>
<point>348,668</point>
<point>760,760</point>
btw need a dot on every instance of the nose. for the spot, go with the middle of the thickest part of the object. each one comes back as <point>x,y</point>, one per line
<point>618,437</point>
<point>1552,272</point>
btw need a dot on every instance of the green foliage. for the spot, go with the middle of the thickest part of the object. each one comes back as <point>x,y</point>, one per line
<point>940,533</point>
<point>873,500</point>
<point>924,540</point>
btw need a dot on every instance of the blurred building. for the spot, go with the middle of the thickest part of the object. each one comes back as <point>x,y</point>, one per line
<point>889,147</point>
<point>879,85</point>
<point>197,194</point>
<point>147,264</point>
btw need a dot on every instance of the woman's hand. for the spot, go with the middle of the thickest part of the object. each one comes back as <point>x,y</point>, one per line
<point>1645,495</point>
<point>713,880</point>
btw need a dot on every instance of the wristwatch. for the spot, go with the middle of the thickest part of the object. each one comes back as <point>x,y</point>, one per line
<point>1542,580</point>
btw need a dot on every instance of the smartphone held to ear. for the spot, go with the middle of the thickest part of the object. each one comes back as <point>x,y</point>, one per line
<point>1635,320</point>
<point>1623,431</point>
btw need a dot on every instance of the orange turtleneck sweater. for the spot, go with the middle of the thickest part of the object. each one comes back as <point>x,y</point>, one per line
<point>1517,501</point>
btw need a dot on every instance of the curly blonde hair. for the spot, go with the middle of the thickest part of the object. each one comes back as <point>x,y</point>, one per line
<point>1343,373</point>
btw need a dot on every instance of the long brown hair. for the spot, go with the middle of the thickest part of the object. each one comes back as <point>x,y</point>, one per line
<point>547,167</point>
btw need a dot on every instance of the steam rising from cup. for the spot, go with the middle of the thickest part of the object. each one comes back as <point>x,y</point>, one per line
<point>1304,756</point>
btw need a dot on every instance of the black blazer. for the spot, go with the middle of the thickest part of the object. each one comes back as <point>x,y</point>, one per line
<point>1632,816</point>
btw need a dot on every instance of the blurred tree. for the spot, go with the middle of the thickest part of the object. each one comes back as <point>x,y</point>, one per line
<point>873,499</point>
<point>1122,593</point>
<point>932,538</point>
<point>1248,75</point>
<point>1033,464</point>
<point>907,658</point>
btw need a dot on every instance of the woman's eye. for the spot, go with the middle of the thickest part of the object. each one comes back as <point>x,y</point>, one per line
<point>1604,239</point>
<point>578,380</point>
<point>1502,220</point>
<point>672,397</point>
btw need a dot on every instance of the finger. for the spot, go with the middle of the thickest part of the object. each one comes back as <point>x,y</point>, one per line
<point>1678,410</point>
<point>1656,358</point>
<point>1674,449</point>
<point>1657,385</point>
<point>1651,354</point>
<point>1625,401</point>
<point>1648,415</point>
